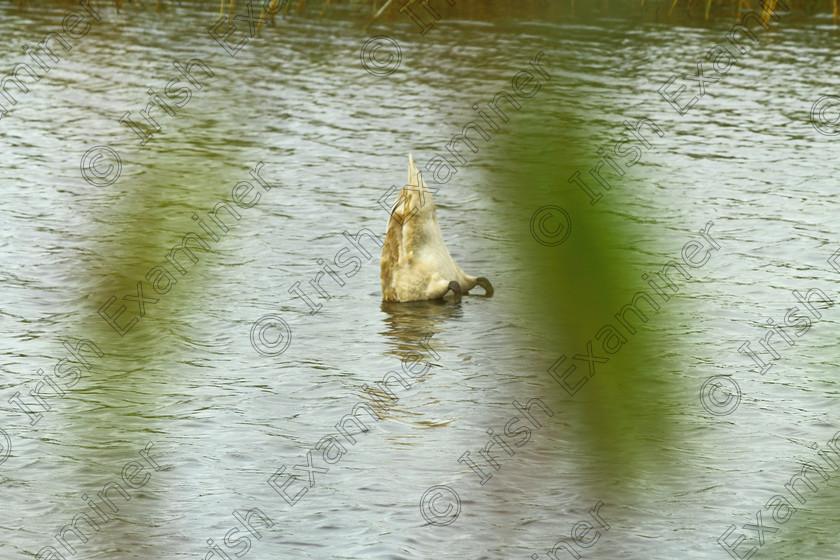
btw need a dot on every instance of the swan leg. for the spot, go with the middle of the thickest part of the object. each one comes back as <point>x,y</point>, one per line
<point>456,290</point>
<point>485,283</point>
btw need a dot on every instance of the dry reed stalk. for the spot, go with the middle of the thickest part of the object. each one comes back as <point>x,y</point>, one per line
<point>674,5</point>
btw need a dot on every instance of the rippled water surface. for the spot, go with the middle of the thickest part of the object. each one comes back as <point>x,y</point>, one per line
<point>333,138</point>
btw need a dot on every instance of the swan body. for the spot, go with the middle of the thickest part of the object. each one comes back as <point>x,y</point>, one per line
<point>416,265</point>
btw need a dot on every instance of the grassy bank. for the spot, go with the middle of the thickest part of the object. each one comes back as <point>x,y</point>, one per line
<point>391,10</point>
<point>483,10</point>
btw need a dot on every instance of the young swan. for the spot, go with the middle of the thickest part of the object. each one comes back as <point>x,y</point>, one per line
<point>416,264</point>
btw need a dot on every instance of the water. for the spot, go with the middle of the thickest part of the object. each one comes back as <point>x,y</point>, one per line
<point>334,138</point>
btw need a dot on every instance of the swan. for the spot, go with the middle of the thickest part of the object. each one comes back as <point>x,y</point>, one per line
<point>416,264</point>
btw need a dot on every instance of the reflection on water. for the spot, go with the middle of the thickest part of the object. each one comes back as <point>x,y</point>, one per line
<point>334,139</point>
<point>406,324</point>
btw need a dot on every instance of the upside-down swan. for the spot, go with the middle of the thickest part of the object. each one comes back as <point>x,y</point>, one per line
<point>416,264</point>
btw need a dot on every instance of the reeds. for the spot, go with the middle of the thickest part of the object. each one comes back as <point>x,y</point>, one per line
<point>481,9</point>
<point>374,10</point>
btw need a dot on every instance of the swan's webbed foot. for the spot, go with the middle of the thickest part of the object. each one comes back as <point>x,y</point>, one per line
<point>485,283</point>
<point>456,290</point>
